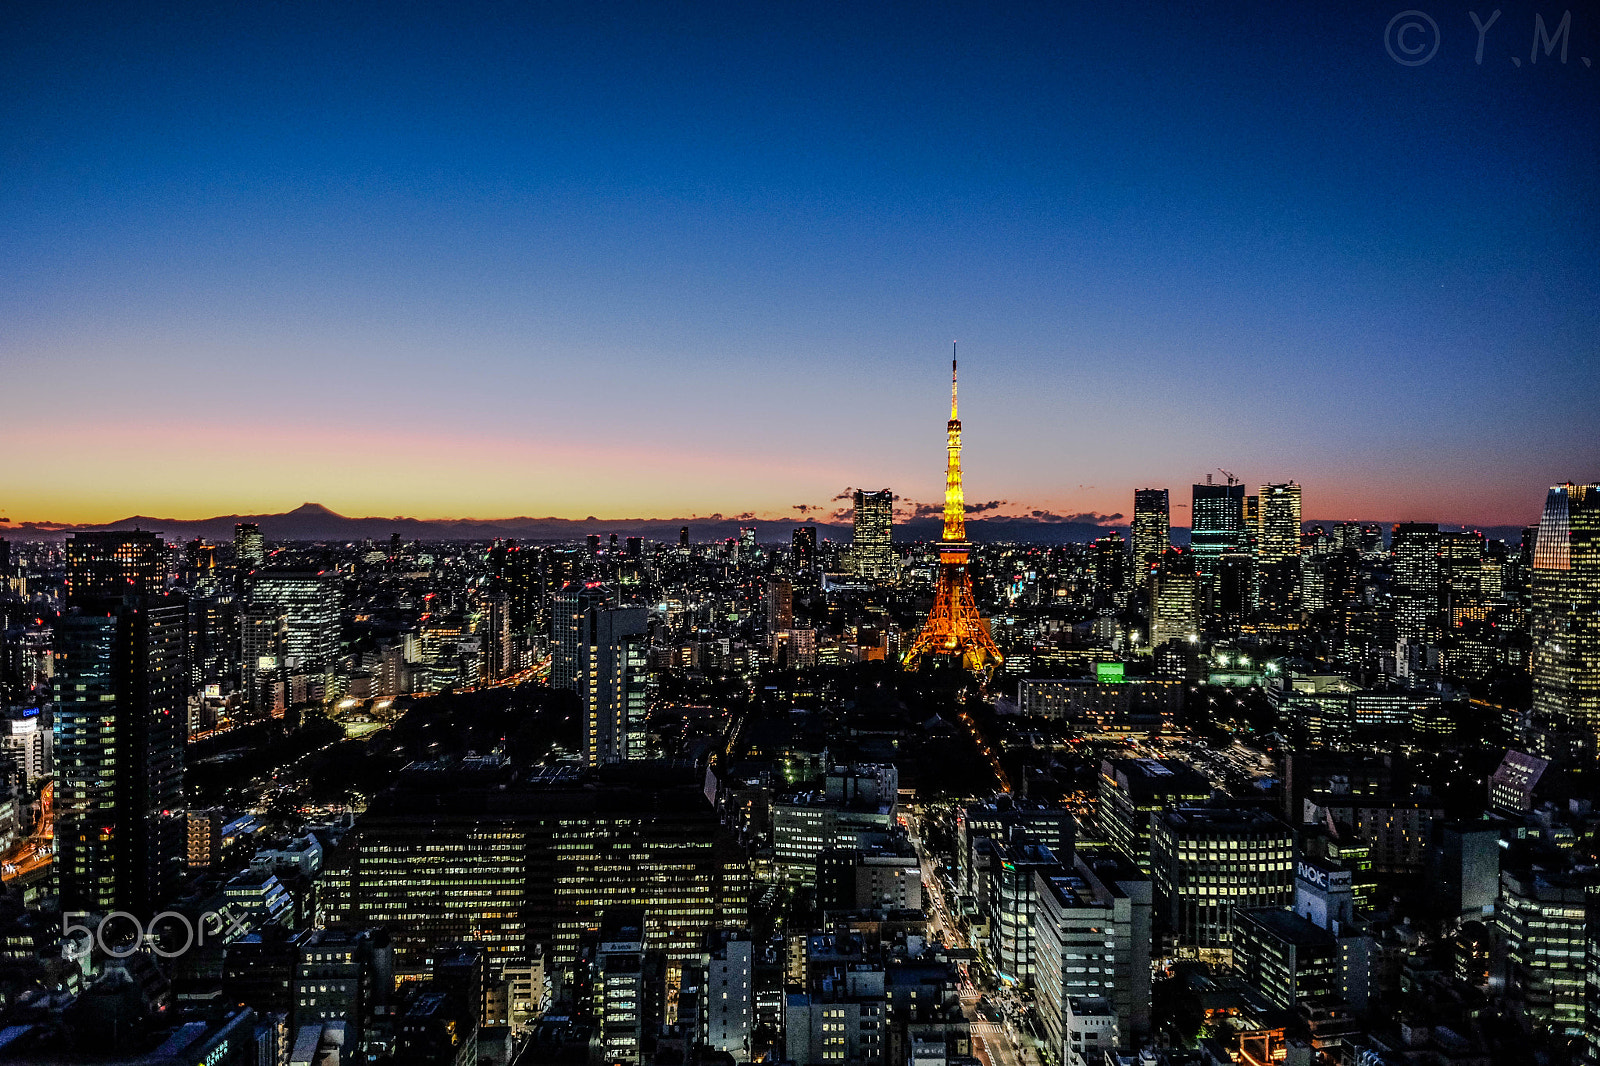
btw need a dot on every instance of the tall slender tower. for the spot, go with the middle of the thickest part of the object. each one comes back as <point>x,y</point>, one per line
<point>953,627</point>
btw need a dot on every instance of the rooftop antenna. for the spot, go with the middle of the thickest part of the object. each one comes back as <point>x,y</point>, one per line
<point>952,381</point>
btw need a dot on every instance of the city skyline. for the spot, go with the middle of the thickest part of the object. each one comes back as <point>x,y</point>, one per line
<point>537,264</point>
<point>477,586</point>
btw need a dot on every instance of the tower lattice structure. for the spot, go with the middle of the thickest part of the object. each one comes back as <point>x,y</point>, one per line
<point>954,628</point>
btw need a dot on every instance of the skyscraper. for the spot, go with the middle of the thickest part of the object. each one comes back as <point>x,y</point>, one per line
<point>568,649</point>
<point>531,867</point>
<point>1152,530</point>
<point>1174,598</point>
<point>115,565</point>
<point>1417,580</point>
<point>120,728</point>
<point>1235,588</point>
<point>514,570</point>
<point>1565,613</point>
<point>1216,526</point>
<point>600,652</point>
<point>200,566</point>
<point>309,601</point>
<point>780,604</point>
<point>872,540</point>
<point>1279,537</point>
<point>954,628</point>
<point>1110,569</point>
<point>1278,547</point>
<point>249,550</point>
<point>803,545</point>
<point>1209,862</point>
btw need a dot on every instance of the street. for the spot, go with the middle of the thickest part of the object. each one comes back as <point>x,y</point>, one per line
<point>991,1043</point>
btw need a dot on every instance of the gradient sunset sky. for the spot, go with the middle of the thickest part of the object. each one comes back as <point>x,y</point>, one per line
<point>668,259</point>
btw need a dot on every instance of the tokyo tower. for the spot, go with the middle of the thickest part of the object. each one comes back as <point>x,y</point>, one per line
<point>953,628</point>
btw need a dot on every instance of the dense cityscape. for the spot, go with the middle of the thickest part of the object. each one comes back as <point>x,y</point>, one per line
<point>1284,793</point>
<point>557,533</point>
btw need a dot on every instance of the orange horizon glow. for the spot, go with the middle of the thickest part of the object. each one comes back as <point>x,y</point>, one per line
<point>198,471</point>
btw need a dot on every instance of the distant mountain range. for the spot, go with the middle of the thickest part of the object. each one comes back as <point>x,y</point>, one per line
<point>314,522</point>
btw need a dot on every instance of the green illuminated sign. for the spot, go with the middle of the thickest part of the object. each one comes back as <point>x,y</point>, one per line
<point>1108,673</point>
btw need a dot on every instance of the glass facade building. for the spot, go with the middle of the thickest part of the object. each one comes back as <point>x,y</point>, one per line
<point>1152,530</point>
<point>872,535</point>
<point>1216,527</point>
<point>1565,609</point>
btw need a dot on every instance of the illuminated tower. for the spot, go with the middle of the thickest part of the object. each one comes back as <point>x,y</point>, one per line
<point>953,627</point>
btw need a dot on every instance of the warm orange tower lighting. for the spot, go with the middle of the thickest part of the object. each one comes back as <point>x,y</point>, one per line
<point>953,627</point>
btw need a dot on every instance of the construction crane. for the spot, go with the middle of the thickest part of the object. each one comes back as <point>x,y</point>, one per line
<point>1233,479</point>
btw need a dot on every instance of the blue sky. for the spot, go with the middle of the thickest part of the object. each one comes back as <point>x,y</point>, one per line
<point>651,260</point>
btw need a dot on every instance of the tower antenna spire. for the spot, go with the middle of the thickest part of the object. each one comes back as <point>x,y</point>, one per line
<point>952,381</point>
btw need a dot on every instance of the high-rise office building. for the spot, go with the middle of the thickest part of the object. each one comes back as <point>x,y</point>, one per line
<point>1209,862</point>
<point>1279,536</point>
<point>1541,918</point>
<point>515,571</point>
<point>309,601</point>
<point>121,834</point>
<point>495,635</point>
<point>615,697</point>
<point>1152,531</point>
<point>528,866</point>
<point>780,604</point>
<point>1565,608</point>
<point>568,646</point>
<point>1417,580</point>
<point>1235,589</point>
<point>803,548</point>
<point>600,651</point>
<point>1132,791</point>
<point>1278,548</point>
<point>1092,938</point>
<point>115,565</point>
<point>1216,527</point>
<point>1012,902</point>
<point>731,1010</point>
<point>213,640</point>
<point>872,539</point>
<point>249,550</point>
<point>1110,569</point>
<point>200,566</point>
<point>1289,959</point>
<point>1174,598</point>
